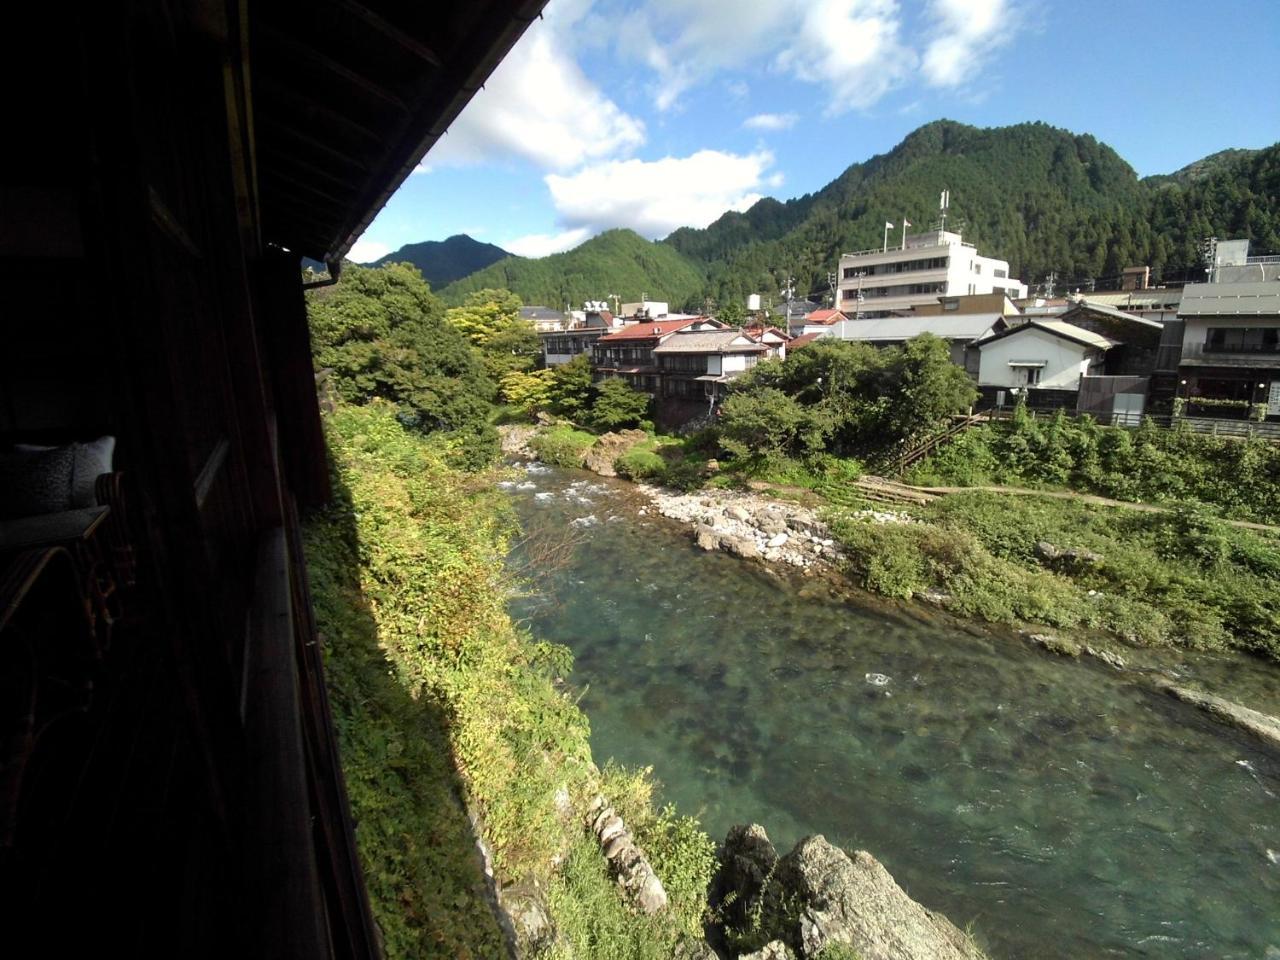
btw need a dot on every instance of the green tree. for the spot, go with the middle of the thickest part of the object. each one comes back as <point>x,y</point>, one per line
<point>616,404</point>
<point>528,391</point>
<point>570,388</point>
<point>491,320</point>
<point>381,333</point>
<point>767,424</point>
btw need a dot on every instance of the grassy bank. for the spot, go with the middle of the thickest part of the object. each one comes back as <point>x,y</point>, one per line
<point>444,706</point>
<point>1181,577</point>
<point>1239,479</point>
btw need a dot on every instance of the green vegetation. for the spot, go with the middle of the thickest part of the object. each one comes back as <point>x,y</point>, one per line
<point>443,261</point>
<point>1179,577</point>
<point>490,320</point>
<point>562,445</point>
<point>616,405</point>
<point>1042,198</point>
<point>1238,478</point>
<point>382,334</point>
<point>847,398</point>
<point>442,705</point>
<point>617,260</point>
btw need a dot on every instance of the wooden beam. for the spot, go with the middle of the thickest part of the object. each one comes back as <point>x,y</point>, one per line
<point>301,101</point>
<point>310,54</point>
<point>390,30</point>
<point>276,159</point>
<point>316,144</point>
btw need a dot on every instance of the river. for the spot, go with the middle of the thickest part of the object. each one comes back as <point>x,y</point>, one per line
<point>1059,807</point>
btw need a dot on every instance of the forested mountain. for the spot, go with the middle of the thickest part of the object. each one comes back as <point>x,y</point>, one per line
<point>1045,199</point>
<point>443,261</point>
<point>1204,167</point>
<point>617,261</point>
<point>1042,198</point>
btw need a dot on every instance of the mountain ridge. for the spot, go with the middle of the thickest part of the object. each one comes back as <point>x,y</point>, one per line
<point>1046,199</point>
<point>442,261</point>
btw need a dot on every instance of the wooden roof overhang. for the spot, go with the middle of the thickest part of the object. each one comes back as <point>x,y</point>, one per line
<point>347,98</point>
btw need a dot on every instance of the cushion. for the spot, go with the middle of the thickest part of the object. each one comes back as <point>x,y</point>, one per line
<point>90,460</point>
<point>34,482</point>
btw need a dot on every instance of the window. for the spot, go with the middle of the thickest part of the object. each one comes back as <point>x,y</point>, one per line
<point>1243,340</point>
<point>977,268</point>
<point>1001,274</point>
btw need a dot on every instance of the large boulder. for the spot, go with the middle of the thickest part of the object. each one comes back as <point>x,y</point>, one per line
<point>604,453</point>
<point>854,901</point>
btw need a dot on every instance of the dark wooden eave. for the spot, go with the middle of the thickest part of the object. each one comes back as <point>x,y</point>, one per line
<point>349,96</point>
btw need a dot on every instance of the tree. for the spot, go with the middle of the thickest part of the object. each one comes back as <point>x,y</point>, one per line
<point>570,388</point>
<point>380,333</point>
<point>923,387</point>
<point>616,404</point>
<point>491,320</point>
<point>528,391</point>
<point>767,424</point>
<point>731,312</point>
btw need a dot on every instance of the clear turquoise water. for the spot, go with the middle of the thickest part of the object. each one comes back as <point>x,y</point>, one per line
<point>1058,806</point>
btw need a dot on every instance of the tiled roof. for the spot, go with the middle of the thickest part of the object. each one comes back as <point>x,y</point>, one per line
<point>540,313</point>
<point>1068,331</point>
<point>827,316</point>
<point>948,326</point>
<point>803,340</point>
<point>654,328</point>
<point>709,341</point>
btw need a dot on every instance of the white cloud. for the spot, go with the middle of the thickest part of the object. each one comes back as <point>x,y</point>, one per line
<point>771,121</point>
<point>543,244</point>
<point>852,47</point>
<point>540,105</point>
<point>965,33</point>
<point>366,251</point>
<point>655,197</point>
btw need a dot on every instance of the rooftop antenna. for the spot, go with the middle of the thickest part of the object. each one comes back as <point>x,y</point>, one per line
<point>944,204</point>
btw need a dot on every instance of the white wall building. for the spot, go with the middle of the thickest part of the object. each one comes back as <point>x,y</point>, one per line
<point>933,264</point>
<point>1040,354</point>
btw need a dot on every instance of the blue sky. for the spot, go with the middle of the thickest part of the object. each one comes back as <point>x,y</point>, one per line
<point>654,115</point>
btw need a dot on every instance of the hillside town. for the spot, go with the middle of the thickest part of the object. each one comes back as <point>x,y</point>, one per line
<point>1207,352</point>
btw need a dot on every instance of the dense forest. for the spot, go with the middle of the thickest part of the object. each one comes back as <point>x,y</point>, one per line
<point>443,261</point>
<point>617,261</point>
<point>1045,199</point>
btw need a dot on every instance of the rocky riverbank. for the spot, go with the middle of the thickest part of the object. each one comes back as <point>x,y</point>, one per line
<point>819,897</point>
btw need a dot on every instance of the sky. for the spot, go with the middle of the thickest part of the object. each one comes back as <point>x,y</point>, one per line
<point>660,114</point>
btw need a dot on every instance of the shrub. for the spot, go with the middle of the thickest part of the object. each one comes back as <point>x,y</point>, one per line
<point>562,446</point>
<point>640,464</point>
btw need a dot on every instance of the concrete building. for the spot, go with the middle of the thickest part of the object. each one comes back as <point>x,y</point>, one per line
<point>927,266</point>
<point>588,326</point>
<point>544,319</point>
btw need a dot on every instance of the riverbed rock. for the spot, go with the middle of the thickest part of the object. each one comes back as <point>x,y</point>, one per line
<point>852,900</point>
<point>1055,644</point>
<point>1069,557</point>
<point>778,540</point>
<point>744,547</point>
<point>1113,660</point>
<point>626,860</point>
<point>1261,725</point>
<point>514,439</point>
<point>736,511</point>
<point>706,537</point>
<point>774,950</point>
<point>601,455</point>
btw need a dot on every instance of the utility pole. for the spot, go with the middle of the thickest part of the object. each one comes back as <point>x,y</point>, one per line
<point>857,310</point>
<point>1048,283</point>
<point>833,283</point>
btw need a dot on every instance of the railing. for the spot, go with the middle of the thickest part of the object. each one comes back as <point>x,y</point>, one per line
<point>918,453</point>
<point>1266,430</point>
<point>1236,354</point>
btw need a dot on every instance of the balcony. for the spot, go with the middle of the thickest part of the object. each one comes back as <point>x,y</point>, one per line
<point>1232,355</point>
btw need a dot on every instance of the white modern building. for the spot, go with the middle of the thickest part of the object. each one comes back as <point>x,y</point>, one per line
<point>927,266</point>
